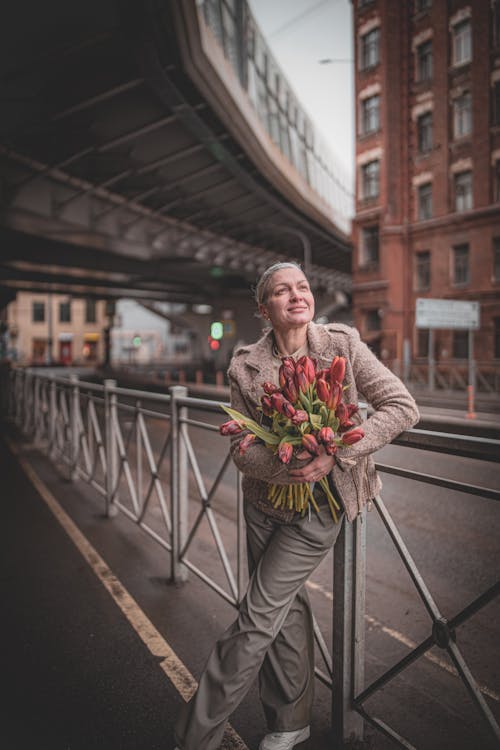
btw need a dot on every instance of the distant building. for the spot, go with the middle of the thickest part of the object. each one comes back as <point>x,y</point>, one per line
<point>75,327</point>
<point>427,224</point>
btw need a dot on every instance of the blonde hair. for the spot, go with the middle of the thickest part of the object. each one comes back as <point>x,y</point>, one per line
<point>262,287</point>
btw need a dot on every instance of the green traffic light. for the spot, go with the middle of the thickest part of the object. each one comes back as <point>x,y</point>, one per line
<point>136,341</point>
<point>217,330</point>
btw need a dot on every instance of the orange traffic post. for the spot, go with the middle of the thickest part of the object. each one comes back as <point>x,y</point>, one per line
<point>471,414</point>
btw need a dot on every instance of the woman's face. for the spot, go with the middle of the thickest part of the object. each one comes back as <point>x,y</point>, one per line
<point>290,302</point>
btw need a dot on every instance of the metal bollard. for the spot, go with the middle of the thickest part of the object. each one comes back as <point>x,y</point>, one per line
<point>178,484</point>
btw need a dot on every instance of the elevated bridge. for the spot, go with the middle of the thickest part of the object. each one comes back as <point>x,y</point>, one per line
<point>155,150</point>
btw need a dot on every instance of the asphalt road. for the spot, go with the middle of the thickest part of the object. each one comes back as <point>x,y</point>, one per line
<point>452,536</point>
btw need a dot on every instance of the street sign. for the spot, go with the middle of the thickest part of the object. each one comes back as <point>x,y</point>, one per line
<point>447,313</point>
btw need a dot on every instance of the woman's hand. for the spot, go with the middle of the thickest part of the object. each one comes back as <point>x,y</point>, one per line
<point>316,469</point>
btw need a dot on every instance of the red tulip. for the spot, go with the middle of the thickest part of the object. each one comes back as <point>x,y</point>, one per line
<point>352,409</point>
<point>326,435</point>
<point>330,449</point>
<point>351,437</point>
<point>342,413</point>
<point>290,390</point>
<point>299,417</point>
<point>269,387</point>
<point>279,402</point>
<point>247,441</point>
<point>285,452</point>
<point>324,374</point>
<point>337,370</point>
<point>322,390</point>
<point>301,380</point>
<point>310,444</point>
<point>287,370</point>
<point>233,427</point>
<point>287,409</point>
<point>267,407</point>
<point>335,395</point>
<point>309,366</point>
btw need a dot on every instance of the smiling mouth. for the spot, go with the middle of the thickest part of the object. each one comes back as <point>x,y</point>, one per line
<point>297,309</point>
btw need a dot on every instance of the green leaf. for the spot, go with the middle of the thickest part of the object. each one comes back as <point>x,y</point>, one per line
<point>251,425</point>
<point>315,420</point>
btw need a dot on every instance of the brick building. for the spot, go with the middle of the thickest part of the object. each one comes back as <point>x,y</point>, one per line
<point>427,224</point>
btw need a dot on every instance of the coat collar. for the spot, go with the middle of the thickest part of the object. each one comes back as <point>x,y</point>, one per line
<point>318,337</point>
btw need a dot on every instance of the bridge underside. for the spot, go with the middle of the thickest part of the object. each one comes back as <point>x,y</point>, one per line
<point>118,178</point>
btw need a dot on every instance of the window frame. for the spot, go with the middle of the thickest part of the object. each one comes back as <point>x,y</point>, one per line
<point>64,306</point>
<point>90,305</point>
<point>458,42</point>
<point>425,132</point>
<point>369,49</point>
<point>423,270</point>
<point>459,185</point>
<point>461,265</point>
<point>369,114</point>
<point>425,63</point>
<point>369,258</point>
<point>370,179</point>
<point>40,306</point>
<point>422,214</point>
<point>458,115</point>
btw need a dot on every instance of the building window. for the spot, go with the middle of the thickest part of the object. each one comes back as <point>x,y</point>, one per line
<point>424,61</point>
<point>496,104</point>
<point>462,115</point>
<point>424,132</point>
<point>373,320</point>
<point>369,249</point>
<point>370,114</point>
<point>423,342</point>
<point>421,5</point>
<point>90,311</point>
<point>64,312</point>
<point>425,201</point>
<point>38,312</point>
<point>460,344</point>
<point>370,49</point>
<point>463,191</point>
<point>496,323</point>
<point>461,265</point>
<point>462,43</point>
<point>423,271</point>
<point>370,179</point>
<point>496,258</point>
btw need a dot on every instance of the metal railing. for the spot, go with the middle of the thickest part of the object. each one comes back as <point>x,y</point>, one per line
<point>101,434</point>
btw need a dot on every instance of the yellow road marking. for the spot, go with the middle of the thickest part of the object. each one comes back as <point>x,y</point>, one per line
<point>176,671</point>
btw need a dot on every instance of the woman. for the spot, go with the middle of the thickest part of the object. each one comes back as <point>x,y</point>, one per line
<point>273,634</point>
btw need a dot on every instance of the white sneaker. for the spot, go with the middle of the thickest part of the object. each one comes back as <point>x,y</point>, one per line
<point>284,740</point>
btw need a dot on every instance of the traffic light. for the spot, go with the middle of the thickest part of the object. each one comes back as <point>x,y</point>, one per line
<point>136,341</point>
<point>217,330</point>
<point>214,344</point>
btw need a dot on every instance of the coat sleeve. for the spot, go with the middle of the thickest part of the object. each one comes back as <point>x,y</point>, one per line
<point>394,407</point>
<point>258,461</point>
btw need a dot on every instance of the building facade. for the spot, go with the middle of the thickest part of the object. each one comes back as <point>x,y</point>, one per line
<point>427,224</point>
<point>57,329</point>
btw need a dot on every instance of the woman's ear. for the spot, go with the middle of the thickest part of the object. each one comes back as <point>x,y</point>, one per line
<point>263,312</point>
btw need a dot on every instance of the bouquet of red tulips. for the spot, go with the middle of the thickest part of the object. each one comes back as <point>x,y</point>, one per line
<point>305,411</point>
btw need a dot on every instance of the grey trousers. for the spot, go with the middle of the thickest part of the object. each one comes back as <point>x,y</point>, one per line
<point>272,635</point>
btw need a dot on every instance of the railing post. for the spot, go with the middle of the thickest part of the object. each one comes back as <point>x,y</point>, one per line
<point>75,431</point>
<point>26,402</point>
<point>36,408</point>
<point>52,416</point>
<point>178,484</point>
<point>110,412</point>
<point>348,630</point>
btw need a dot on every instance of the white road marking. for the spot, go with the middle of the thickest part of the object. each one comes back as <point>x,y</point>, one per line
<point>406,641</point>
<point>174,668</point>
